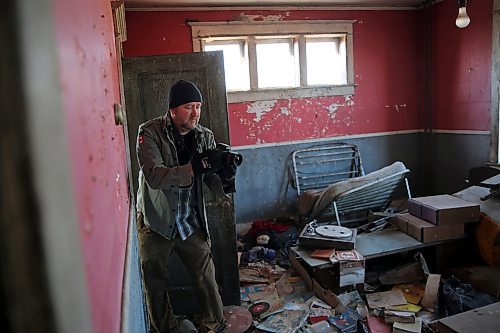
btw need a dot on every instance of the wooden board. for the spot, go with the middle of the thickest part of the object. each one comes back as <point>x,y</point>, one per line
<point>371,245</point>
<point>485,320</point>
<point>147,81</point>
<point>385,242</point>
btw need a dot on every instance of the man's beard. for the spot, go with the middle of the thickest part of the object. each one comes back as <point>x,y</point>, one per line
<point>189,125</point>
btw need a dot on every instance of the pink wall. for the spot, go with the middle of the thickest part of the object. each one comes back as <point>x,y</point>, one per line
<point>462,67</point>
<point>385,57</point>
<point>89,84</point>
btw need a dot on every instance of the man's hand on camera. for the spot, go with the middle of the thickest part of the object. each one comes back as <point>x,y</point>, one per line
<point>230,163</point>
<point>228,171</point>
<point>210,161</point>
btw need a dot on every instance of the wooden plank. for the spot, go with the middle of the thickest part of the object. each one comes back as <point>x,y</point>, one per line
<point>475,193</point>
<point>430,298</point>
<point>385,242</point>
<point>485,320</point>
<point>147,81</point>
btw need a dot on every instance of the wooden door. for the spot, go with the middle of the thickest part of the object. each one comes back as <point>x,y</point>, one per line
<point>147,81</point>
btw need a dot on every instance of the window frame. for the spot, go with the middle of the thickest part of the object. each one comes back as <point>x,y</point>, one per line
<point>286,39</point>
<point>206,30</point>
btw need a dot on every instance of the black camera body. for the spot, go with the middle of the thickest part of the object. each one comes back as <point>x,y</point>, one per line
<point>228,157</point>
<point>230,161</point>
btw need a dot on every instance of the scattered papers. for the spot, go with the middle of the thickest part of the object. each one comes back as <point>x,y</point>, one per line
<point>406,307</point>
<point>351,299</point>
<point>385,299</point>
<point>254,275</point>
<point>429,299</point>
<point>415,327</point>
<point>319,309</point>
<point>412,293</point>
<point>283,285</point>
<point>345,322</point>
<point>256,292</point>
<point>377,325</point>
<point>351,273</point>
<point>287,321</point>
<point>316,319</point>
<point>391,316</point>
<point>266,306</point>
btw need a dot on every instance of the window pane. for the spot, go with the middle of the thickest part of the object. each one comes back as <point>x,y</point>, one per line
<point>276,64</point>
<point>326,61</point>
<point>235,64</point>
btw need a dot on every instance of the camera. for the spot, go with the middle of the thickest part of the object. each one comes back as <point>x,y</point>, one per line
<point>230,161</point>
<point>228,157</point>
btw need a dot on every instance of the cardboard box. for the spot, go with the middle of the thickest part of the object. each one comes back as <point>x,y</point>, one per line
<point>400,223</point>
<point>444,209</point>
<point>324,294</point>
<point>427,232</point>
<point>351,273</point>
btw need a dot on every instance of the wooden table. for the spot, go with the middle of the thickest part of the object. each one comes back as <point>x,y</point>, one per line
<point>370,245</point>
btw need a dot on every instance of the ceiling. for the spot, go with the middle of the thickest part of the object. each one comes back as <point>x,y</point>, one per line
<point>273,3</point>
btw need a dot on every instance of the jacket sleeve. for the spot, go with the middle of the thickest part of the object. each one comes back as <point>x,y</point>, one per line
<point>157,173</point>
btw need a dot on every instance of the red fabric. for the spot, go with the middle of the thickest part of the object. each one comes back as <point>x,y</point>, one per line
<point>260,226</point>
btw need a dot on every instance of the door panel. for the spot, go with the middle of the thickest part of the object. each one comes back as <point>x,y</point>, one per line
<point>147,81</point>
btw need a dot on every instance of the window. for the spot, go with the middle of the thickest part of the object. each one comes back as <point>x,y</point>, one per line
<point>326,60</point>
<point>235,62</point>
<point>276,63</point>
<point>287,59</point>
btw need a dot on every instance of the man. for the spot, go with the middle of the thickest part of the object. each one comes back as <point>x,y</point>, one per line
<point>176,155</point>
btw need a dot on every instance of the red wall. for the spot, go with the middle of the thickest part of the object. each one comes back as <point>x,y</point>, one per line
<point>462,67</point>
<point>385,58</point>
<point>89,83</point>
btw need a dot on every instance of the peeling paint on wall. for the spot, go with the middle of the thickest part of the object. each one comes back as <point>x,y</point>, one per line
<point>260,108</point>
<point>397,107</point>
<point>348,100</point>
<point>283,120</point>
<point>332,108</point>
<point>260,18</point>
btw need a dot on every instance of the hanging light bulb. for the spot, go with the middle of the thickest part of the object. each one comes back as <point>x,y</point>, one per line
<point>463,19</point>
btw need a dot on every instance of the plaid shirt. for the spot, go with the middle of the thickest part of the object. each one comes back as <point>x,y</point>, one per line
<point>185,216</point>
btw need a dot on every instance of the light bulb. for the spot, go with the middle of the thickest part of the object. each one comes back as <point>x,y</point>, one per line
<point>463,19</point>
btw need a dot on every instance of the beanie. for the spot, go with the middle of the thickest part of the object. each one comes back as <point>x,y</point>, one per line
<point>183,92</point>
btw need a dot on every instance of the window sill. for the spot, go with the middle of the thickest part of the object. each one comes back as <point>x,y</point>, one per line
<point>272,94</point>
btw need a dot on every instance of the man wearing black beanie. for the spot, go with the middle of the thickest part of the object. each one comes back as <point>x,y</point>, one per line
<point>176,155</point>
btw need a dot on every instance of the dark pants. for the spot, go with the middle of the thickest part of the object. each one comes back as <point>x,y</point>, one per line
<point>195,254</point>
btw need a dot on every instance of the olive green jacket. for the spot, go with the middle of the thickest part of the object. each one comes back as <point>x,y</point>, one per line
<point>160,175</point>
